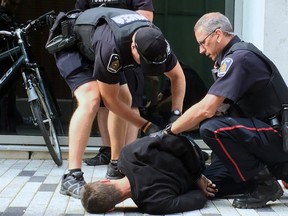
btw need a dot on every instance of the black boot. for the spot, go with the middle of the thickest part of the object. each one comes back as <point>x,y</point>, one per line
<point>266,189</point>
<point>280,171</point>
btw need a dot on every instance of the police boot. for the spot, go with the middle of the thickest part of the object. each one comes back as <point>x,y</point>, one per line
<point>266,189</point>
<point>280,171</point>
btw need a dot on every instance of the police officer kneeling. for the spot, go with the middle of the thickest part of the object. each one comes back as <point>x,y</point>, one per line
<point>238,116</point>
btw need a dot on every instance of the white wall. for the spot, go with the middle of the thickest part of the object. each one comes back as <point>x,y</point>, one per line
<point>265,24</point>
<point>276,34</point>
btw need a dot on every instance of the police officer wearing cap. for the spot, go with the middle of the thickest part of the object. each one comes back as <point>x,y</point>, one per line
<point>240,117</point>
<point>135,80</point>
<point>110,40</point>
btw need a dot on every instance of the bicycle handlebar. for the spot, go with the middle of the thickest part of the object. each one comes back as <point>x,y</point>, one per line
<point>42,21</point>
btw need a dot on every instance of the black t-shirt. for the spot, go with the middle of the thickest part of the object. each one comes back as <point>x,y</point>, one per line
<point>162,173</point>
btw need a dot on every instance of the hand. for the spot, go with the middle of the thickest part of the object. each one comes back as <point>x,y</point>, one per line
<point>158,133</point>
<point>166,130</point>
<point>149,128</point>
<point>206,186</point>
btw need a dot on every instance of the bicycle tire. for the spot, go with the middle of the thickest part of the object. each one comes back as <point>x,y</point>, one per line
<point>46,126</point>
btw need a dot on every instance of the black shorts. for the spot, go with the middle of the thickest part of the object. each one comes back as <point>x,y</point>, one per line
<point>74,68</point>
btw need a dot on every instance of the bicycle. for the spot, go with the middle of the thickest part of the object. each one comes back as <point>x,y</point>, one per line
<point>44,110</point>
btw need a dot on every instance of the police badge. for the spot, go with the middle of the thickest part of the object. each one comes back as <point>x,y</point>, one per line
<point>114,64</point>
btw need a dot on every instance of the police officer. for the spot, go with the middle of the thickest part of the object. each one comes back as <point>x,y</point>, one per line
<point>238,116</point>
<point>110,40</point>
<point>135,80</point>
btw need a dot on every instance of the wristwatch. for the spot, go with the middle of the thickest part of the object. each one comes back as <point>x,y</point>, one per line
<point>176,112</point>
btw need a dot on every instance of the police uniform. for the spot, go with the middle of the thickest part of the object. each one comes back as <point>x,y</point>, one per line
<point>133,75</point>
<point>106,56</point>
<point>242,136</point>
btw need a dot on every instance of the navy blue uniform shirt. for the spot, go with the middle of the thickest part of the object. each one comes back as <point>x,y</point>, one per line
<point>105,48</point>
<point>240,73</point>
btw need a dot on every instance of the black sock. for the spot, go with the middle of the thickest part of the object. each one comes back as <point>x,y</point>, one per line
<point>114,162</point>
<point>74,170</point>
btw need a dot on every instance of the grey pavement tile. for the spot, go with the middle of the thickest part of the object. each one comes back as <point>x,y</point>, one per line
<point>14,211</point>
<point>37,179</point>
<point>48,187</point>
<point>26,173</point>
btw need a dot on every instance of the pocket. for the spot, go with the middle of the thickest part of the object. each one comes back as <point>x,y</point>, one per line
<point>68,62</point>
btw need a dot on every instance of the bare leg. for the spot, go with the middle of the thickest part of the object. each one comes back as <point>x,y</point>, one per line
<point>102,120</point>
<point>117,126</point>
<point>88,98</point>
<point>132,130</point>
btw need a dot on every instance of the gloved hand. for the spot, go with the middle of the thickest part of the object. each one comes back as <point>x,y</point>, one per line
<point>166,130</point>
<point>149,128</point>
<point>174,116</point>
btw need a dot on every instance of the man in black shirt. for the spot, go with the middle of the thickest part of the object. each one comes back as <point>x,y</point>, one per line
<point>162,176</point>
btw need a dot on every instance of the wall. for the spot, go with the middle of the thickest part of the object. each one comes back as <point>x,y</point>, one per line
<point>264,23</point>
<point>276,34</point>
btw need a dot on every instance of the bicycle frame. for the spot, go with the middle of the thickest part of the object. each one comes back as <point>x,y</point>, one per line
<point>24,62</point>
<point>44,112</point>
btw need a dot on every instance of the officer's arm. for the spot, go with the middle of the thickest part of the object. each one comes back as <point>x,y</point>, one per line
<point>206,108</point>
<point>172,203</point>
<point>178,86</point>
<point>110,94</point>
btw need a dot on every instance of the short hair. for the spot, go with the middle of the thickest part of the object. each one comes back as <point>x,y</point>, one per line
<point>98,197</point>
<point>212,21</point>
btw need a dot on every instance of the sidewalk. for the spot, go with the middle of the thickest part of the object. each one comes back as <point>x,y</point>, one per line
<point>31,187</point>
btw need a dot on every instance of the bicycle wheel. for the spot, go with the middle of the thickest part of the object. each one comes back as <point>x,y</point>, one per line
<point>46,125</point>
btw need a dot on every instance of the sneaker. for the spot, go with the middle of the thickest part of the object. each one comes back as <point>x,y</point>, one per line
<point>72,183</point>
<point>102,158</point>
<point>113,172</point>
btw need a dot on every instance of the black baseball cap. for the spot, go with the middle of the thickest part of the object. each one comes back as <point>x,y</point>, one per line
<point>153,49</point>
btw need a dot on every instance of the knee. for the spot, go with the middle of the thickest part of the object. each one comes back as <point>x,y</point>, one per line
<point>207,128</point>
<point>204,129</point>
<point>89,105</point>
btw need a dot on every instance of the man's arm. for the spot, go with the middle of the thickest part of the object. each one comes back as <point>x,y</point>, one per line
<point>110,94</point>
<point>202,110</point>
<point>178,86</point>
<point>192,200</point>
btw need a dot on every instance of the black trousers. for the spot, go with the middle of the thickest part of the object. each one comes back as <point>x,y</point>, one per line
<point>223,180</point>
<point>243,145</point>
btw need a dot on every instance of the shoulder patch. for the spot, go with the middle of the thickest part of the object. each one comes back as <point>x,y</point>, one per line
<point>224,67</point>
<point>114,63</point>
